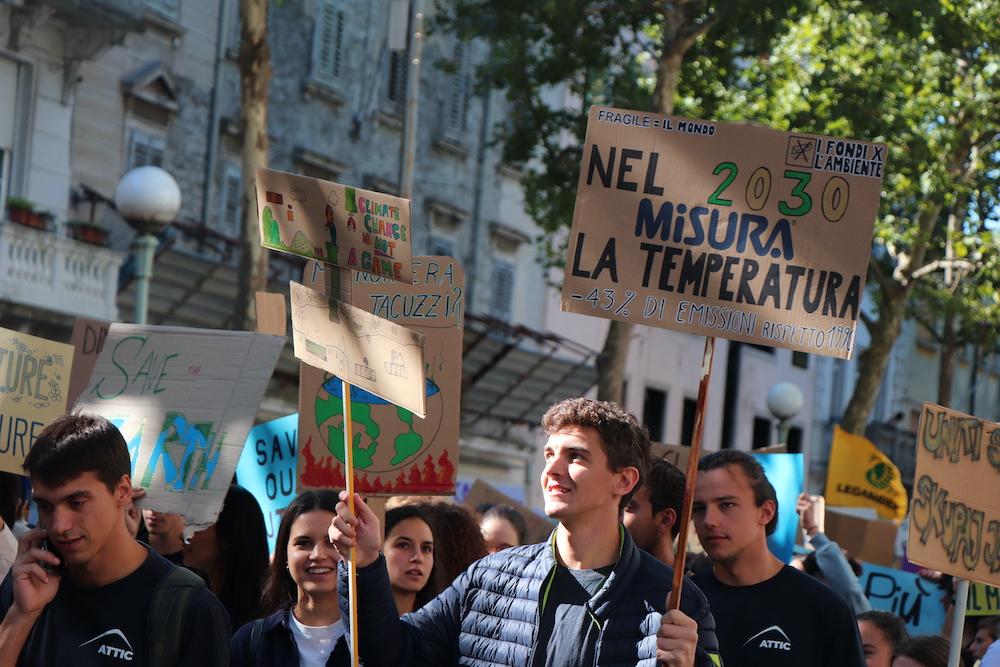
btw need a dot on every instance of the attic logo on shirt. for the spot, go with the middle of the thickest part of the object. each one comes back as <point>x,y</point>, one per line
<point>113,651</point>
<point>777,640</point>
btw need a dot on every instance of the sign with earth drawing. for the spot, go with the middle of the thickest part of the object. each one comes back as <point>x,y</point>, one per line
<point>724,230</point>
<point>395,452</point>
<point>335,224</point>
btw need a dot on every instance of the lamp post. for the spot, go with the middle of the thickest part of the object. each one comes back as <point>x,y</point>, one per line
<point>148,198</point>
<point>784,400</point>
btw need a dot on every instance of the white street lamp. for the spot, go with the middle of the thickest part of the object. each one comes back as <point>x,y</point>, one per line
<point>784,400</point>
<point>148,198</point>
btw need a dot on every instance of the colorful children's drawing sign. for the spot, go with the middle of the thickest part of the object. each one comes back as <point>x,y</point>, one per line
<point>184,399</point>
<point>335,224</point>
<point>267,469</point>
<point>955,514</point>
<point>723,230</point>
<point>34,382</point>
<point>394,452</point>
<point>913,598</point>
<point>786,474</point>
<point>371,353</point>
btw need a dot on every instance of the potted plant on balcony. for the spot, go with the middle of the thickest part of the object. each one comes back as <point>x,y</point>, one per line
<point>20,210</point>
<point>86,231</point>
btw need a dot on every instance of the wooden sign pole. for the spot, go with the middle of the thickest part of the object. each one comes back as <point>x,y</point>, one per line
<point>674,601</point>
<point>352,566</point>
<point>958,622</point>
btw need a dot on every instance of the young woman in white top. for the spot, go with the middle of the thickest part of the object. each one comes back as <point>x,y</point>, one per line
<point>300,592</point>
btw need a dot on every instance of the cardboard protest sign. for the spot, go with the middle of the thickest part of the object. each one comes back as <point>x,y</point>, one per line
<point>723,230</point>
<point>675,454</point>
<point>913,598</point>
<point>868,540</point>
<point>394,453</point>
<point>268,468</point>
<point>983,600</point>
<point>482,492</point>
<point>87,341</point>
<point>860,475</point>
<point>367,351</point>
<point>34,382</point>
<point>336,224</point>
<point>955,515</point>
<point>184,399</point>
<point>787,475</point>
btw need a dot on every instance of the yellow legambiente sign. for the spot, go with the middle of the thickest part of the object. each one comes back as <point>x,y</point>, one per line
<point>859,475</point>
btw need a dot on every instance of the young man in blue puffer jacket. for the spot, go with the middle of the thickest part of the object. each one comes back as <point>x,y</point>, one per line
<point>587,596</point>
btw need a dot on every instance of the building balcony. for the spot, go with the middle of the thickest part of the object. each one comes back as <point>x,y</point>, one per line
<point>42,270</point>
<point>121,14</point>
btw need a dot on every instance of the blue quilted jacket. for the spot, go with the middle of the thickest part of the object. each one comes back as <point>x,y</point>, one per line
<point>489,616</point>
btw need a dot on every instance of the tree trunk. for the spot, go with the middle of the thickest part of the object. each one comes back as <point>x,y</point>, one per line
<point>946,363</point>
<point>614,354</point>
<point>875,358</point>
<point>255,75</point>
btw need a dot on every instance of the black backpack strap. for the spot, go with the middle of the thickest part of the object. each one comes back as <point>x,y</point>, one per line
<point>253,642</point>
<point>167,611</point>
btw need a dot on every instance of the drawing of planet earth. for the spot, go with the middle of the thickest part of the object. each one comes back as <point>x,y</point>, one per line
<point>386,437</point>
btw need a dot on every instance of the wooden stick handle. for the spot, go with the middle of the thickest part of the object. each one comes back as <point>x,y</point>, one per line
<point>674,602</point>
<point>352,566</point>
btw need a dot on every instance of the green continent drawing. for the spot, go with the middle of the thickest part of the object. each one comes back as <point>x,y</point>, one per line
<point>409,443</point>
<point>361,414</point>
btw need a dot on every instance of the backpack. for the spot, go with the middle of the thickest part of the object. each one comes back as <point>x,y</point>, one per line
<point>167,611</point>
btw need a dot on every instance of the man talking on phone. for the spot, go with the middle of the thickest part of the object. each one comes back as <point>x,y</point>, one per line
<point>82,591</point>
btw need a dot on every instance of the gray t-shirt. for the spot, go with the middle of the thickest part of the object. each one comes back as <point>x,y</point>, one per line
<point>567,630</point>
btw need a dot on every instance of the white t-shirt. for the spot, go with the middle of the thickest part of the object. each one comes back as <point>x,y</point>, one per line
<point>315,644</point>
<point>992,657</point>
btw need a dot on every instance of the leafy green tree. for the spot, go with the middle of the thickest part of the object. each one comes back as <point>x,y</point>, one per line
<point>920,75</point>
<point>624,53</point>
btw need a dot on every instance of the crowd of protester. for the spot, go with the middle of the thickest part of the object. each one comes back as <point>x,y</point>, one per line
<point>439,583</point>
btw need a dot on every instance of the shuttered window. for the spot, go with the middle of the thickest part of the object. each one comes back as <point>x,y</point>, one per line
<point>328,42</point>
<point>145,149</point>
<point>232,196</point>
<point>457,113</point>
<point>503,290</point>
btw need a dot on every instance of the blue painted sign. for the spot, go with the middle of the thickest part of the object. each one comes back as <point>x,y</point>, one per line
<point>268,467</point>
<point>912,597</point>
<point>786,474</point>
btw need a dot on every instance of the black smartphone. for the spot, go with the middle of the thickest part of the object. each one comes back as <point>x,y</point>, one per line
<point>49,567</point>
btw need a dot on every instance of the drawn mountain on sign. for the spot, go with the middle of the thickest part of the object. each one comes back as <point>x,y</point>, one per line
<point>302,246</point>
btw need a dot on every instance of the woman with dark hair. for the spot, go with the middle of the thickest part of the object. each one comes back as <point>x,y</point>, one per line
<point>300,594</point>
<point>458,541</point>
<point>409,557</point>
<point>503,527</point>
<point>881,632</point>
<point>923,651</point>
<point>232,555</point>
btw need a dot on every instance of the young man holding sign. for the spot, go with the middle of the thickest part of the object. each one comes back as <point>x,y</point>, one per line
<point>588,596</point>
<point>82,590</point>
<point>769,613</point>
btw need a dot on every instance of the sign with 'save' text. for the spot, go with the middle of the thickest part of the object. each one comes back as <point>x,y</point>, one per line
<point>723,230</point>
<point>955,514</point>
<point>34,382</point>
<point>335,224</point>
<point>267,469</point>
<point>184,400</point>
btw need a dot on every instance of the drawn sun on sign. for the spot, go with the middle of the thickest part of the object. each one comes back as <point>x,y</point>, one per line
<point>800,151</point>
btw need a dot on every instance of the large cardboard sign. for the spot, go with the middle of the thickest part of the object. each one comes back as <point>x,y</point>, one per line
<point>371,353</point>
<point>723,230</point>
<point>34,381</point>
<point>955,515</point>
<point>868,540</point>
<point>335,224</point>
<point>679,454</point>
<point>916,600</point>
<point>268,468</point>
<point>87,341</point>
<point>184,399</point>
<point>484,493</point>
<point>394,453</point>
<point>983,600</point>
<point>861,475</point>
<point>786,473</point>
